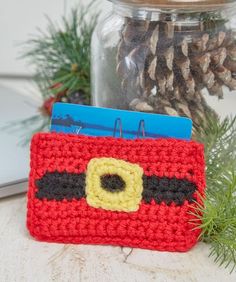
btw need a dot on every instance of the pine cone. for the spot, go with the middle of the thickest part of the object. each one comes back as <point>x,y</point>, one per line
<point>76,97</point>
<point>168,66</point>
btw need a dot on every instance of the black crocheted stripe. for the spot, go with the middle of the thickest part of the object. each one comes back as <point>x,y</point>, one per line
<point>112,183</point>
<point>70,186</point>
<point>167,190</point>
<point>61,186</point>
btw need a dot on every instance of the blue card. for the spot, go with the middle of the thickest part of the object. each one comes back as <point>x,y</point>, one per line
<point>93,121</point>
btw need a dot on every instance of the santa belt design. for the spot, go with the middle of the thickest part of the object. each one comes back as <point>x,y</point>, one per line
<point>68,186</point>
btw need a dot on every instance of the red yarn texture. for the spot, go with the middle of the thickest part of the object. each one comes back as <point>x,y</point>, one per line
<point>153,226</point>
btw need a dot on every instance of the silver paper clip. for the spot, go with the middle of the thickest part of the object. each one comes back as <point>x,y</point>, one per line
<point>118,124</point>
<point>141,129</point>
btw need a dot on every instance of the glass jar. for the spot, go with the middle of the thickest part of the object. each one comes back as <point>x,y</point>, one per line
<point>175,57</point>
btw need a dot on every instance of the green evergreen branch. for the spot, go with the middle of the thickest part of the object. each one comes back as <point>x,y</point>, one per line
<point>218,214</point>
<point>62,53</point>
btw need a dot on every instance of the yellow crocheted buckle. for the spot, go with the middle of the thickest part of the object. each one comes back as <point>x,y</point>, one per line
<point>127,199</point>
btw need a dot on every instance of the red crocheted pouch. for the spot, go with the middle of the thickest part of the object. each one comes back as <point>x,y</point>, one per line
<point>104,190</point>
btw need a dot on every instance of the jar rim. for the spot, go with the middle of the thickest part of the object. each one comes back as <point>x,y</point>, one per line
<point>177,4</point>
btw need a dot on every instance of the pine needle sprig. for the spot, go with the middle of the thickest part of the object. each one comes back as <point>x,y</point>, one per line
<point>61,55</point>
<point>219,139</point>
<point>218,214</point>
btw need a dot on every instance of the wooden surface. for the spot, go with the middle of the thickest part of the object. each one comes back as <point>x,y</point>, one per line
<point>24,259</point>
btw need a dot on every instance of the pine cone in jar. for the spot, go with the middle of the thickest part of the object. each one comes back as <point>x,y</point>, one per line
<point>168,64</point>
